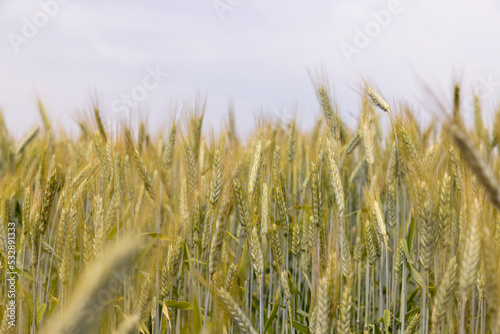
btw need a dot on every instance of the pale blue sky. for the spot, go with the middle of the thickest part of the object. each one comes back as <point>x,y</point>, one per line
<point>258,55</point>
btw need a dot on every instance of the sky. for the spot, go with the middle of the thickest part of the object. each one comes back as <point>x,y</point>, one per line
<point>147,59</point>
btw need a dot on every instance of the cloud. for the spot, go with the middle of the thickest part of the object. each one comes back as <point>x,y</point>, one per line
<point>258,55</point>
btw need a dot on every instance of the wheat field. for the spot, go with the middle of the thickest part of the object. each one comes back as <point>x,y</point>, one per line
<point>335,230</point>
